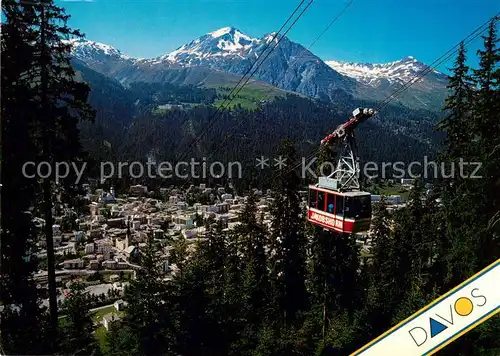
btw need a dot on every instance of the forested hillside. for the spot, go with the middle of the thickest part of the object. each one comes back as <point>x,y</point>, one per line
<point>131,124</point>
<point>242,135</point>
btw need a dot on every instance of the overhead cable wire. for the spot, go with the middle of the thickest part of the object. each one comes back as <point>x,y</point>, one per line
<point>234,92</point>
<point>296,59</point>
<point>289,67</point>
<point>443,58</point>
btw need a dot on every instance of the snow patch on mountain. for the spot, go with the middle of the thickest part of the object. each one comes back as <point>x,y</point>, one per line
<point>272,36</point>
<point>220,32</point>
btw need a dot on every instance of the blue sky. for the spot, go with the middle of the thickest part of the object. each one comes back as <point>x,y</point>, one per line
<point>369,31</point>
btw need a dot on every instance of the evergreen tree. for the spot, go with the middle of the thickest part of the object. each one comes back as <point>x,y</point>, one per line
<point>147,319</point>
<point>206,296</point>
<point>193,299</point>
<point>487,141</point>
<point>254,260</point>
<point>320,261</point>
<point>23,324</point>
<point>459,127</point>
<point>120,341</point>
<point>288,242</point>
<point>471,205</point>
<point>57,102</point>
<point>179,254</point>
<point>77,327</point>
<point>255,277</point>
<point>383,292</point>
<point>412,254</point>
<point>234,318</point>
<point>458,108</point>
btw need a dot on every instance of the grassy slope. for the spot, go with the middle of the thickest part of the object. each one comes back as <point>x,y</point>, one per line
<point>250,95</point>
<point>395,190</point>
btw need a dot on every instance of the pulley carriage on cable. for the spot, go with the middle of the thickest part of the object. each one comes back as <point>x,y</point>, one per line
<point>336,202</point>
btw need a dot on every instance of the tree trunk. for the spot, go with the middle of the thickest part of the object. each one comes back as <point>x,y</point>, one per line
<point>324,308</point>
<point>51,273</point>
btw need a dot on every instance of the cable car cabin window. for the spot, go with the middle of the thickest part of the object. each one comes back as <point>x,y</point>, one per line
<point>330,203</point>
<point>312,198</point>
<point>358,207</point>
<point>321,201</point>
<point>339,199</point>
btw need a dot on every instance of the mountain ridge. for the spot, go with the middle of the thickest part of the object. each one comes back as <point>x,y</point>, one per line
<point>403,69</point>
<point>289,66</point>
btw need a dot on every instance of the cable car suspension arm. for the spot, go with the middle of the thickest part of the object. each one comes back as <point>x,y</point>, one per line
<point>346,172</point>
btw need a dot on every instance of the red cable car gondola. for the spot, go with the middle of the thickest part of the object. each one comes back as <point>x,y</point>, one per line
<point>336,202</point>
<point>348,212</point>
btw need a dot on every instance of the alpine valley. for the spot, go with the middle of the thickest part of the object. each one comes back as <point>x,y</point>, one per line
<point>179,91</point>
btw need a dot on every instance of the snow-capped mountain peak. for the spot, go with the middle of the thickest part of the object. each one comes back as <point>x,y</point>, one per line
<point>226,41</point>
<point>230,32</point>
<point>91,50</point>
<point>409,59</point>
<point>402,70</point>
<point>231,39</point>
